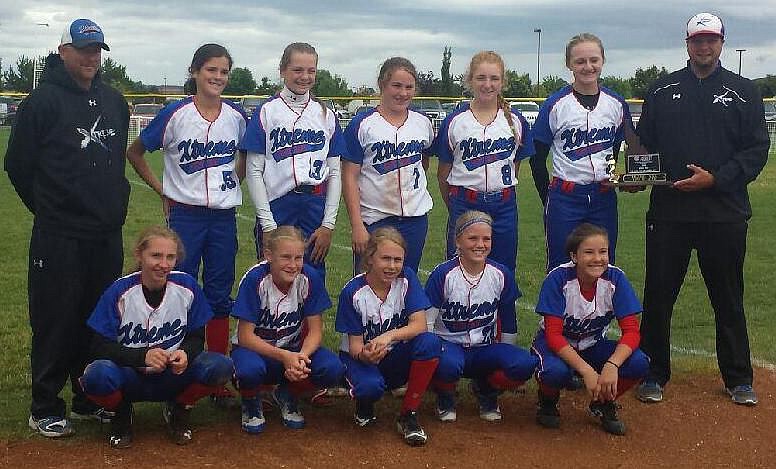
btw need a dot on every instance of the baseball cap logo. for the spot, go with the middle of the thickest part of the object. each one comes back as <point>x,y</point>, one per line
<point>90,29</point>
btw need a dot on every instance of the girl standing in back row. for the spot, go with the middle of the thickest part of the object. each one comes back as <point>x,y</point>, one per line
<point>480,146</point>
<point>294,144</point>
<point>384,173</point>
<point>582,126</point>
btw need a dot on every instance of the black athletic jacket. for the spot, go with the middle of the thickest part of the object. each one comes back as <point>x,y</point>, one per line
<point>716,123</point>
<point>66,155</point>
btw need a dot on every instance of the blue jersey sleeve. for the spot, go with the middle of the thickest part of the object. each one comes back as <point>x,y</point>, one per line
<point>255,139</point>
<point>441,145</point>
<point>354,153</point>
<point>507,314</point>
<point>348,320</point>
<point>526,146</point>
<point>337,144</point>
<point>435,286</point>
<point>416,299</point>
<point>246,304</point>
<point>625,301</point>
<point>152,135</point>
<point>541,129</point>
<point>104,320</point>
<point>317,300</point>
<point>551,298</point>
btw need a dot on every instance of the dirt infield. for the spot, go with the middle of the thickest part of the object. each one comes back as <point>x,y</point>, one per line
<point>696,426</point>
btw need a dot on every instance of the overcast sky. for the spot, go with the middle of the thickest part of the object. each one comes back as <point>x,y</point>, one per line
<point>156,39</point>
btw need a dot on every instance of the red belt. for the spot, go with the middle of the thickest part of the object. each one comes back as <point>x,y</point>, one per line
<point>473,196</point>
<point>568,186</point>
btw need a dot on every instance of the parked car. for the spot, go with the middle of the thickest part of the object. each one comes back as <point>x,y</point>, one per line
<point>770,111</point>
<point>363,108</point>
<point>431,108</point>
<point>8,107</point>
<point>529,110</point>
<point>147,109</point>
<point>338,111</point>
<point>449,107</point>
<point>635,110</point>
<point>250,103</point>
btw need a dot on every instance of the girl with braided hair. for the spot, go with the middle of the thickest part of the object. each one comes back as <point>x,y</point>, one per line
<point>480,146</point>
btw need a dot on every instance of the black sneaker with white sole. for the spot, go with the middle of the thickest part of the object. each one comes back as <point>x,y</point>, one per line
<point>410,429</point>
<point>176,416</point>
<point>365,414</point>
<point>121,426</point>
<point>547,413</point>
<point>607,412</point>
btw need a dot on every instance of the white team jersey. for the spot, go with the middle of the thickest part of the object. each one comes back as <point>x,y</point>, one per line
<point>472,314</point>
<point>586,322</point>
<point>361,312</point>
<point>295,145</point>
<point>278,315</point>
<point>123,314</point>
<point>581,140</point>
<point>482,156</point>
<point>199,155</point>
<point>392,180</point>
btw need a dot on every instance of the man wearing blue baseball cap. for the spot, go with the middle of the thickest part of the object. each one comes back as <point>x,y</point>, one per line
<point>708,125</point>
<point>66,158</point>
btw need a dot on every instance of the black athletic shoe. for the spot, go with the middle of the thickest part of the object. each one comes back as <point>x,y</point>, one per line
<point>365,414</point>
<point>607,411</point>
<point>121,426</point>
<point>547,414</point>
<point>176,416</point>
<point>410,429</point>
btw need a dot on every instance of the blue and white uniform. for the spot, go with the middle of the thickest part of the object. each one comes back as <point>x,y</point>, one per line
<point>203,189</point>
<point>123,315</point>
<point>484,160</point>
<point>294,144</point>
<point>476,319</point>
<point>279,319</point>
<point>392,182</point>
<point>585,323</point>
<point>581,140</point>
<point>361,312</point>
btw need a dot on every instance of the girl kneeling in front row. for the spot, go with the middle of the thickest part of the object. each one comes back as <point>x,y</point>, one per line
<point>279,306</point>
<point>385,344</point>
<point>149,338</point>
<point>577,301</point>
<point>473,312</point>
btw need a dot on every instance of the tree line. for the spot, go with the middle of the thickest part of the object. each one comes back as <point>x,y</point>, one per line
<point>19,78</point>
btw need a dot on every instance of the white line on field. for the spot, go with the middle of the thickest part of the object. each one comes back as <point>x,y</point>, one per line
<point>528,306</point>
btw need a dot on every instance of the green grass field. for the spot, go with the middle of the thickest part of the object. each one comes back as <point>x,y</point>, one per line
<point>693,326</point>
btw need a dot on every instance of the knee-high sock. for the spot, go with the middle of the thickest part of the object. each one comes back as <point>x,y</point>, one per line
<point>500,381</point>
<point>193,393</point>
<point>421,372</point>
<point>109,402</point>
<point>217,335</point>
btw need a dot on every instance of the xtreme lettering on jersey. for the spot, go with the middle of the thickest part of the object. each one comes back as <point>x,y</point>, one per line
<point>581,143</point>
<point>135,334</point>
<point>197,156</point>
<point>372,330</point>
<point>477,153</point>
<point>577,329</point>
<point>454,311</point>
<point>390,157</point>
<point>286,144</point>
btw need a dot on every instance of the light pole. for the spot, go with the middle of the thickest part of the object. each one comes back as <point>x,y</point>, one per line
<point>37,68</point>
<point>538,31</point>
<point>740,53</point>
<point>165,86</point>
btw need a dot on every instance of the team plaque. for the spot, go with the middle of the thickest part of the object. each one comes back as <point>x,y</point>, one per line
<point>640,170</point>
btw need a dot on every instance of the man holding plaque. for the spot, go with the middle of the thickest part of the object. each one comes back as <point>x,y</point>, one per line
<point>707,124</point>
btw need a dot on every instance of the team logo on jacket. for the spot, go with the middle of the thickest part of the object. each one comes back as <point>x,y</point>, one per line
<point>286,144</point>
<point>579,143</point>
<point>476,153</point>
<point>137,335</point>
<point>727,97</point>
<point>197,156</point>
<point>93,135</point>
<point>390,156</point>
